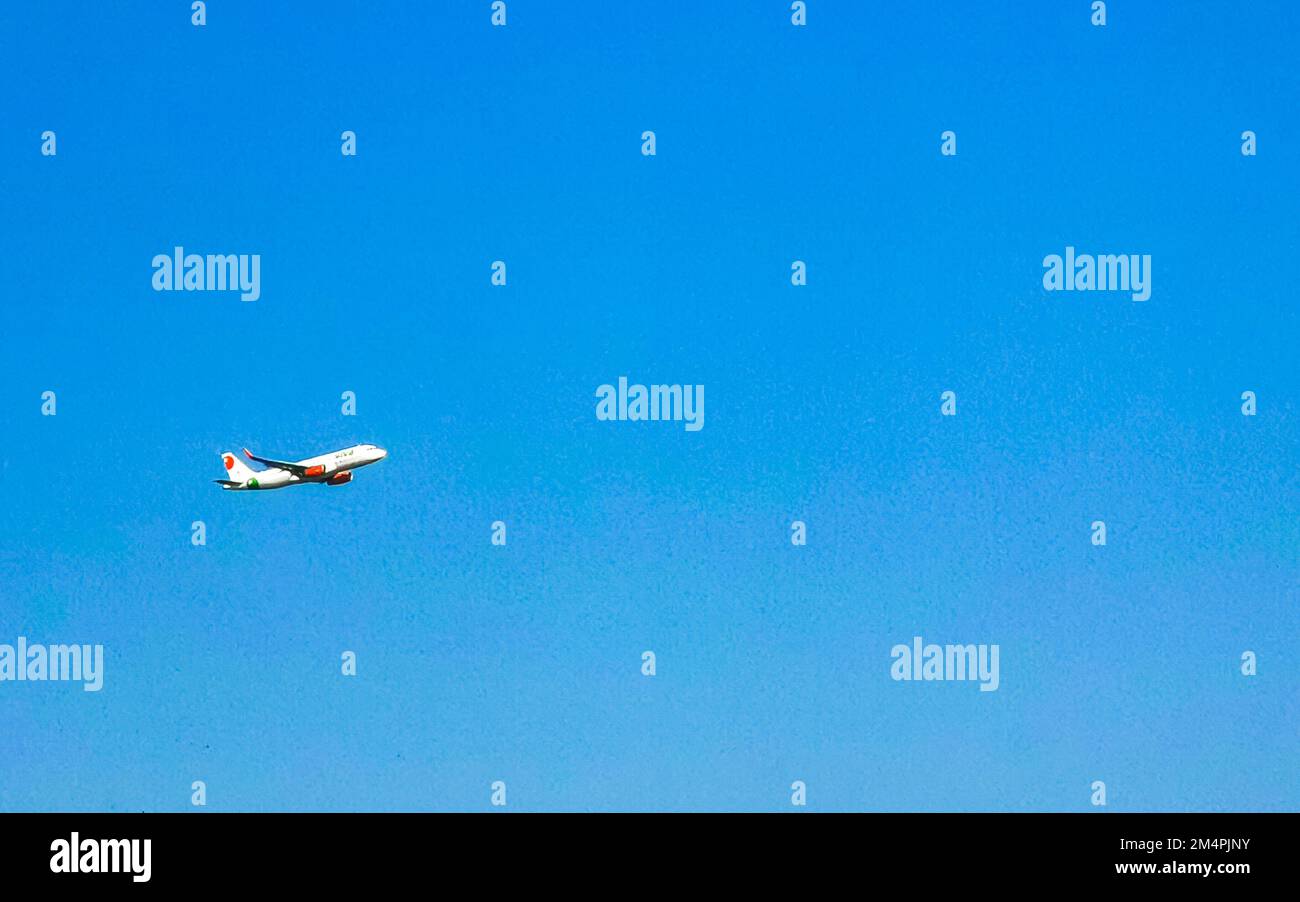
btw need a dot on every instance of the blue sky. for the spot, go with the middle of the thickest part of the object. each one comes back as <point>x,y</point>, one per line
<point>478,663</point>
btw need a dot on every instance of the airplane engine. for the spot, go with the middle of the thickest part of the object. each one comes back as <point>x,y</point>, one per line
<point>340,478</point>
<point>318,470</point>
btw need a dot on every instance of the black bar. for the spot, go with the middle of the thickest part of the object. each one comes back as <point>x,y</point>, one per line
<point>330,851</point>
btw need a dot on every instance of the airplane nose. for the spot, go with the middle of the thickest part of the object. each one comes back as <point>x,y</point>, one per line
<point>382,453</point>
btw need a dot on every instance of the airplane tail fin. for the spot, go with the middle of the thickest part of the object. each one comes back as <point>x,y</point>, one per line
<point>235,470</point>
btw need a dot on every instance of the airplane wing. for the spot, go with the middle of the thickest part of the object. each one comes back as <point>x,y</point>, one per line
<point>296,469</point>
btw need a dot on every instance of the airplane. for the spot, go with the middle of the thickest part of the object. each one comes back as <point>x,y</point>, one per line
<point>334,468</point>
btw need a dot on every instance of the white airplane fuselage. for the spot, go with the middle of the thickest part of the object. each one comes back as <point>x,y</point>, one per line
<point>334,468</point>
